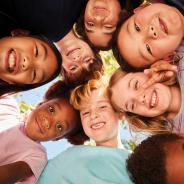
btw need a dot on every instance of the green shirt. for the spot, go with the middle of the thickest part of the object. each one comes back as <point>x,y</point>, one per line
<point>87,165</point>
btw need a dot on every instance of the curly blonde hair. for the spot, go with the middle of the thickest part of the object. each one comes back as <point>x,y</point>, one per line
<point>158,124</point>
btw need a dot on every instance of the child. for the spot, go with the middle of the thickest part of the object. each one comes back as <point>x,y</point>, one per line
<point>99,120</point>
<point>22,156</point>
<point>158,160</point>
<point>99,20</point>
<point>153,33</point>
<point>21,66</point>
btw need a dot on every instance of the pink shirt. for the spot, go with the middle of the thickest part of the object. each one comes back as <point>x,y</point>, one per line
<point>9,112</point>
<point>16,146</point>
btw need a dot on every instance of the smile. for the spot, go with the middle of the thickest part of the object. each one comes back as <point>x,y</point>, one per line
<point>38,126</point>
<point>163,26</point>
<point>12,62</point>
<point>97,126</point>
<point>153,100</point>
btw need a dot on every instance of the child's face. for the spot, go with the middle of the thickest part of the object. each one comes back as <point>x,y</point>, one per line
<point>175,162</point>
<point>100,19</point>
<point>128,96</point>
<point>99,120</point>
<point>151,34</point>
<point>52,119</point>
<point>76,55</point>
<point>26,60</point>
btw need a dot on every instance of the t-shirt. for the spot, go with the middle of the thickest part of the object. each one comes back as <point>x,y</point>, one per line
<point>179,119</point>
<point>16,146</point>
<point>9,112</point>
<point>87,165</point>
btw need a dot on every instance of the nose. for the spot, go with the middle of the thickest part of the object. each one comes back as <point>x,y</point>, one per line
<point>93,114</point>
<point>26,63</point>
<point>46,123</point>
<point>140,97</point>
<point>99,18</point>
<point>153,32</point>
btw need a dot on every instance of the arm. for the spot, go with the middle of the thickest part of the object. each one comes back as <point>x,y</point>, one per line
<point>14,172</point>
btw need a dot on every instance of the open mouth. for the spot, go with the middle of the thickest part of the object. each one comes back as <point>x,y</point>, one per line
<point>153,99</point>
<point>163,26</point>
<point>12,62</point>
<point>97,126</point>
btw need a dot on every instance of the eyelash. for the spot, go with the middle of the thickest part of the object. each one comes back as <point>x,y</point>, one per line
<point>148,49</point>
<point>136,86</point>
<point>34,74</point>
<point>137,28</point>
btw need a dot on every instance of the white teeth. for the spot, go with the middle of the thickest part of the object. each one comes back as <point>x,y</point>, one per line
<point>97,125</point>
<point>11,60</point>
<point>153,100</point>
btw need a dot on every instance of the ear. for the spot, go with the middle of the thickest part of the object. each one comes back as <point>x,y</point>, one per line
<point>19,32</point>
<point>169,57</point>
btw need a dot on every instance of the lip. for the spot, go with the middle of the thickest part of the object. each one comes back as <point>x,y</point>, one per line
<point>72,51</point>
<point>153,99</point>
<point>39,126</point>
<point>14,70</point>
<point>97,126</point>
<point>163,25</point>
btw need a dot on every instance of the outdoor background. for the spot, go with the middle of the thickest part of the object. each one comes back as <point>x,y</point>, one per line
<point>31,98</point>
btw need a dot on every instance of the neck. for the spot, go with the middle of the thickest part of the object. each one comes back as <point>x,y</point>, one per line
<point>109,143</point>
<point>61,44</point>
<point>175,103</point>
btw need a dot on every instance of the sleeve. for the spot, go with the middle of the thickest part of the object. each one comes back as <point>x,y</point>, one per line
<point>9,112</point>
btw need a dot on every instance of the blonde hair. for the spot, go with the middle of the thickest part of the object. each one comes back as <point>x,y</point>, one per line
<point>82,93</point>
<point>158,124</point>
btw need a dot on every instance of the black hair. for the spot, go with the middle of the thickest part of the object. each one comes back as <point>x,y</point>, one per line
<point>6,88</point>
<point>147,165</point>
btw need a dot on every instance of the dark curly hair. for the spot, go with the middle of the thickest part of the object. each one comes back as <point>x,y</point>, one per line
<point>147,165</point>
<point>62,91</point>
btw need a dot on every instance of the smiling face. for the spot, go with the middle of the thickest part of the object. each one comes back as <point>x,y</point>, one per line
<point>127,95</point>
<point>76,55</point>
<point>50,120</point>
<point>99,120</point>
<point>175,161</point>
<point>100,20</point>
<point>26,60</point>
<point>151,34</point>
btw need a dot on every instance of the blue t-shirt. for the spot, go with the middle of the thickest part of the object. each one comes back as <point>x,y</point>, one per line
<point>87,165</point>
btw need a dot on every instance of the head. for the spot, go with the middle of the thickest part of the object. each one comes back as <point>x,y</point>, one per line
<point>99,119</point>
<point>79,61</point>
<point>98,22</point>
<point>139,104</point>
<point>161,158</point>
<point>27,62</point>
<point>50,120</point>
<point>151,34</point>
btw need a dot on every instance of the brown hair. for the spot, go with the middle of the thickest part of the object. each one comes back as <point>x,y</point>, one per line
<point>62,91</point>
<point>156,124</point>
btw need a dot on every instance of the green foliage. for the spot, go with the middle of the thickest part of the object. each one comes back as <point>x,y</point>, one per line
<point>24,107</point>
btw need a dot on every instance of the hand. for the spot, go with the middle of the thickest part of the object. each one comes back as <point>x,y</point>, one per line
<point>161,71</point>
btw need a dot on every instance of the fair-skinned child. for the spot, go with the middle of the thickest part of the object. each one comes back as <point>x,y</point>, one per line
<point>153,33</point>
<point>99,120</point>
<point>99,20</point>
<point>161,158</point>
<point>22,156</point>
<point>21,63</point>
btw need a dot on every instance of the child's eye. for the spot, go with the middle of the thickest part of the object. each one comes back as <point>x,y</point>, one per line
<point>59,126</point>
<point>137,28</point>
<point>51,109</point>
<point>103,106</point>
<point>132,107</point>
<point>136,85</point>
<point>33,75</point>
<point>85,113</point>
<point>148,49</point>
<point>36,51</point>
<point>73,68</point>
